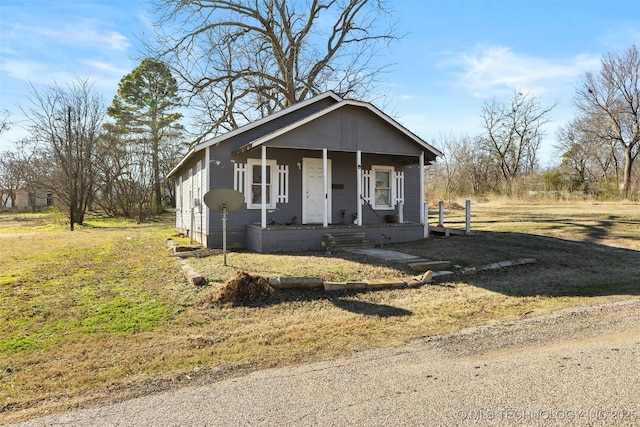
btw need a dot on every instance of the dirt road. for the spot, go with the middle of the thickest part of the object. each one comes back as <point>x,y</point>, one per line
<point>579,366</point>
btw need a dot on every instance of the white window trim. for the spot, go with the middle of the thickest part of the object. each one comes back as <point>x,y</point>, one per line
<point>249,182</point>
<point>372,191</point>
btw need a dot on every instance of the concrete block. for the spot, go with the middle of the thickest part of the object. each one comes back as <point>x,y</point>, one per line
<point>442,273</point>
<point>426,277</point>
<point>523,261</point>
<point>288,282</point>
<point>414,283</point>
<point>356,286</point>
<point>385,283</point>
<point>429,265</point>
<point>335,286</point>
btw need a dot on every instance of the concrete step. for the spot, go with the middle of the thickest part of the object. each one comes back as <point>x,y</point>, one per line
<point>348,240</point>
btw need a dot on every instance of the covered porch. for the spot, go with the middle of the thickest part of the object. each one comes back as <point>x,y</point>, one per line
<point>315,184</point>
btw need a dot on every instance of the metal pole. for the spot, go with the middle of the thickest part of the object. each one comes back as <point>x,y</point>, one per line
<point>468,217</point>
<point>224,234</point>
<point>71,198</point>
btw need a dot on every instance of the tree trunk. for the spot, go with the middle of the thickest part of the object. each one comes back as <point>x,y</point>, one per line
<point>628,163</point>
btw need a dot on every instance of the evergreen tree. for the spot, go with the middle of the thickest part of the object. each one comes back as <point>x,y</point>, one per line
<point>144,114</point>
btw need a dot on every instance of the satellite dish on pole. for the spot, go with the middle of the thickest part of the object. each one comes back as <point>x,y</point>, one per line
<point>224,200</point>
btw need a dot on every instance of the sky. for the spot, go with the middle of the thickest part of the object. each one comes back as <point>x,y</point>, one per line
<point>455,55</point>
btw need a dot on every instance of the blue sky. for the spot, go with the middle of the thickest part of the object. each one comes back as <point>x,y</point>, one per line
<point>456,54</point>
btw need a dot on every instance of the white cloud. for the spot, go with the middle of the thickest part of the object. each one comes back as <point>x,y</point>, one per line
<point>496,70</point>
<point>78,34</point>
<point>41,52</point>
<point>108,68</point>
<point>622,37</point>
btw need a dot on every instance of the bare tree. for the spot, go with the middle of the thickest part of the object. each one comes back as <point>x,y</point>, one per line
<point>591,162</point>
<point>19,171</point>
<point>5,124</point>
<point>243,59</point>
<point>612,99</point>
<point>465,168</point>
<point>449,145</point>
<point>65,124</point>
<point>476,165</point>
<point>513,132</point>
<point>10,178</point>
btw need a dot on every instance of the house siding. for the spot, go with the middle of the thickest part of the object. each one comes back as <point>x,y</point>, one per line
<point>190,209</point>
<point>244,138</point>
<point>275,239</point>
<point>350,128</point>
<point>342,132</point>
<point>343,192</point>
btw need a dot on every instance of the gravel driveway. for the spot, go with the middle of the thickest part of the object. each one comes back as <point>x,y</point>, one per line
<point>579,366</point>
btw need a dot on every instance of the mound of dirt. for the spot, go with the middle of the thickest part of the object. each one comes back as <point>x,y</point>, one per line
<point>244,290</point>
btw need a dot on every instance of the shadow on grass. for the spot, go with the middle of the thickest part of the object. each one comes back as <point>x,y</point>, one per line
<point>563,268</point>
<point>370,309</point>
<point>594,230</point>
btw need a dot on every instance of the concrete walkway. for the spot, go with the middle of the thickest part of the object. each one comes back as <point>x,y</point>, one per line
<point>385,254</point>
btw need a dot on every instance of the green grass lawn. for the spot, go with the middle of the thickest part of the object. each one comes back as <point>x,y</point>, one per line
<point>103,313</point>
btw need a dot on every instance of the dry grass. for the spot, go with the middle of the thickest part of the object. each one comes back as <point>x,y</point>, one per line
<point>103,314</point>
<point>609,224</point>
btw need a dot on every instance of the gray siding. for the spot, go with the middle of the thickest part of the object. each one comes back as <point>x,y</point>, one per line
<point>343,192</point>
<point>277,239</point>
<point>342,132</point>
<point>349,128</point>
<point>275,124</point>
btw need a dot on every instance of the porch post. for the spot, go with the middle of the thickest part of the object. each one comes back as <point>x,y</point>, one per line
<point>359,186</point>
<point>207,187</point>
<point>421,166</point>
<point>325,190</point>
<point>263,189</point>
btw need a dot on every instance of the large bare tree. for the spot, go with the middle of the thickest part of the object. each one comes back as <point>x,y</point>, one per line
<point>243,59</point>
<point>64,123</point>
<point>611,98</point>
<point>513,131</point>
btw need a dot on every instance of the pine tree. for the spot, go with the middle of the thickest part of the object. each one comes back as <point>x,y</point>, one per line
<point>144,110</point>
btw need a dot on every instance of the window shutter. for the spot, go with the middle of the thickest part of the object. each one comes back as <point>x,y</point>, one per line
<point>240,179</point>
<point>366,185</point>
<point>398,187</point>
<point>283,183</point>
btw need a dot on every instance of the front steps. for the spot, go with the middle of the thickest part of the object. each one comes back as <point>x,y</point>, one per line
<point>347,240</point>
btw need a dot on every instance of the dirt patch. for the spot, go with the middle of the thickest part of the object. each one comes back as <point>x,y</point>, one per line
<point>243,289</point>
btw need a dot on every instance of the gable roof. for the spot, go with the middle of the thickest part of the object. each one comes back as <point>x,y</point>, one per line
<point>339,103</point>
<point>252,125</point>
<point>370,107</point>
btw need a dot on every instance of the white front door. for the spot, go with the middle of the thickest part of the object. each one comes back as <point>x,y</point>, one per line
<point>312,191</point>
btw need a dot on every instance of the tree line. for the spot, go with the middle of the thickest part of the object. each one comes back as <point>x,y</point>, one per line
<point>96,157</point>
<point>596,150</point>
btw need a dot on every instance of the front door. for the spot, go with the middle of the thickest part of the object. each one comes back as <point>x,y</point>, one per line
<point>312,191</point>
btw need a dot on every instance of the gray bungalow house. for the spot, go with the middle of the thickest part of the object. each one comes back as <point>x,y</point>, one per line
<point>323,167</point>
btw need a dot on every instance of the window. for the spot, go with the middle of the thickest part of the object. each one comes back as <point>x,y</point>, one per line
<point>255,184</point>
<point>382,187</point>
